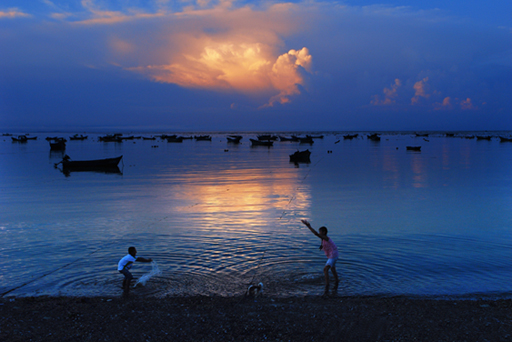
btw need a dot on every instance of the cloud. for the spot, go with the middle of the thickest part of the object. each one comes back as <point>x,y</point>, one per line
<point>12,13</point>
<point>390,94</point>
<point>467,104</point>
<point>446,104</point>
<point>421,91</point>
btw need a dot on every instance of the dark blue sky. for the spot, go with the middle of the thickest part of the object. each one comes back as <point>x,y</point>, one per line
<point>253,65</point>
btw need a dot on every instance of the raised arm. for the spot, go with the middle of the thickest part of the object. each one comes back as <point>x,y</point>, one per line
<point>141,259</point>
<point>307,224</point>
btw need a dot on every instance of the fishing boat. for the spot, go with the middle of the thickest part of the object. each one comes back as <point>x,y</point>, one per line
<point>413,148</point>
<point>106,165</point>
<point>315,136</point>
<point>58,144</point>
<point>255,142</point>
<point>174,139</point>
<point>505,139</point>
<point>374,137</point>
<point>78,137</point>
<point>483,137</point>
<point>267,137</point>
<point>281,138</point>
<point>111,138</point>
<point>235,139</point>
<point>148,138</point>
<point>350,136</point>
<point>202,137</point>
<point>20,138</point>
<point>301,157</point>
<point>306,140</point>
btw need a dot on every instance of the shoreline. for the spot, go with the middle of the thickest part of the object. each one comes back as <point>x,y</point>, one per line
<point>241,318</point>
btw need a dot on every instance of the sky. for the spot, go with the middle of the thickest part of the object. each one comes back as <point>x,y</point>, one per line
<point>256,65</point>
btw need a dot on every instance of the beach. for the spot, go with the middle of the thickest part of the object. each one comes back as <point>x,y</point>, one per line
<point>201,318</point>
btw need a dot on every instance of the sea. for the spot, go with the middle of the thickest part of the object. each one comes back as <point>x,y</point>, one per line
<point>217,217</point>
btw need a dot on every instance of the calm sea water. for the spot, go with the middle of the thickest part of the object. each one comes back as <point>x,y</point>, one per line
<point>217,217</point>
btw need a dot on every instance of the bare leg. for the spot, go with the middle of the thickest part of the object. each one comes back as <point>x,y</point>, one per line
<point>335,274</point>
<point>326,274</point>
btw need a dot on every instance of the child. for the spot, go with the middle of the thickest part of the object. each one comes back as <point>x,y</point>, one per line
<point>125,264</point>
<point>330,250</point>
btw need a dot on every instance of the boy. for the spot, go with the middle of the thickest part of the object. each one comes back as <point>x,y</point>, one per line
<point>331,251</point>
<point>125,264</point>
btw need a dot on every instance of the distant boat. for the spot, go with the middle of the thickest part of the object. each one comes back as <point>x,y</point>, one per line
<point>78,137</point>
<point>505,139</point>
<point>374,137</point>
<point>255,142</point>
<point>108,165</point>
<point>281,138</point>
<point>481,137</point>
<point>202,137</point>
<point>315,136</point>
<point>111,138</point>
<point>58,145</point>
<point>267,137</point>
<point>235,139</point>
<point>421,134</point>
<point>20,138</point>
<point>31,138</point>
<point>174,139</point>
<point>148,138</point>
<point>413,148</point>
<point>300,157</point>
<point>306,140</point>
<point>350,136</point>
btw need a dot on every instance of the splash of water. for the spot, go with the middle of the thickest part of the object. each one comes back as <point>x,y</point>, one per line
<point>145,277</point>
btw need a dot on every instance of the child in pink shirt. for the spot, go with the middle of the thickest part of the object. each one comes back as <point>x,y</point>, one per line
<point>331,252</point>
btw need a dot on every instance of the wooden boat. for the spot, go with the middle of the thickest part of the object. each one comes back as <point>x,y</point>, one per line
<point>235,139</point>
<point>78,137</point>
<point>31,138</point>
<point>150,138</point>
<point>300,157</point>
<point>20,138</point>
<point>413,148</point>
<point>306,140</point>
<point>109,164</point>
<point>255,142</point>
<point>505,139</point>
<point>58,145</point>
<point>483,137</point>
<point>202,137</point>
<point>267,137</point>
<point>111,138</point>
<point>315,136</point>
<point>174,139</point>
<point>281,138</point>
<point>374,137</point>
<point>350,136</point>
<point>421,134</point>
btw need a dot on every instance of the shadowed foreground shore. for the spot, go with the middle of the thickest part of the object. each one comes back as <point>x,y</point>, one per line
<point>244,319</point>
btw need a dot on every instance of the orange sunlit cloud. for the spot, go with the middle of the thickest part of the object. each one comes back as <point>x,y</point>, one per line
<point>390,95</point>
<point>420,88</point>
<point>220,49</point>
<point>12,13</point>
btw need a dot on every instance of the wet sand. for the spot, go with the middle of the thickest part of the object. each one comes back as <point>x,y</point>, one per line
<point>246,319</point>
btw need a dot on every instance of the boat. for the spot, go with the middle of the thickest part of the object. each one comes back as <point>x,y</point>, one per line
<point>267,137</point>
<point>174,139</point>
<point>421,134</point>
<point>31,138</point>
<point>505,139</point>
<point>148,138</point>
<point>483,137</point>
<point>281,138</point>
<point>58,144</point>
<point>374,137</point>
<point>413,148</point>
<point>306,140</point>
<point>106,165</point>
<point>20,138</point>
<point>111,138</point>
<point>78,137</point>
<point>315,136</point>
<point>235,139</point>
<point>350,136</point>
<point>202,137</point>
<point>255,142</point>
<point>300,157</point>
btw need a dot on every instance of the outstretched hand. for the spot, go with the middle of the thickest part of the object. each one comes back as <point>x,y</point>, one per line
<point>306,223</point>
